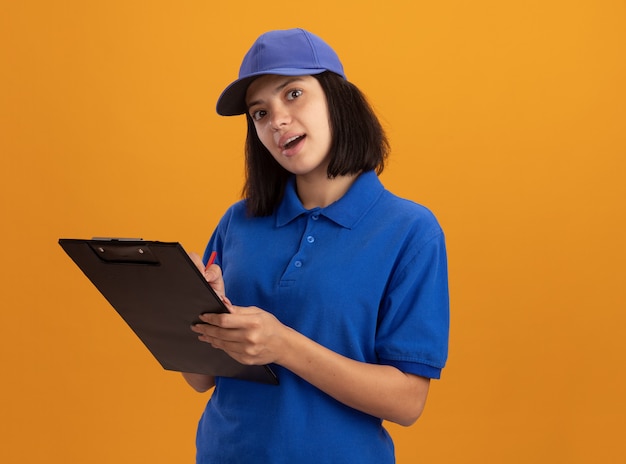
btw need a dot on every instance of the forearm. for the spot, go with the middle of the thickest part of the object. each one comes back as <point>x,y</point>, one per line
<point>253,336</point>
<point>379,390</point>
<point>199,382</point>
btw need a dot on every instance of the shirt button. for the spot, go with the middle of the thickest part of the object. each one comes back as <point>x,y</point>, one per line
<point>315,217</point>
<point>298,264</point>
<point>310,239</point>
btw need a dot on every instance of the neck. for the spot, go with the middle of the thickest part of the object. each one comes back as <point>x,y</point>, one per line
<point>322,191</point>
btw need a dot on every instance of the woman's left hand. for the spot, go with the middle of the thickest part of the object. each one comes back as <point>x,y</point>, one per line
<point>255,337</point>
<point>250,335</point>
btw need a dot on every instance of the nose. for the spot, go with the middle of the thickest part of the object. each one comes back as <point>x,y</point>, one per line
<point>279,117</point>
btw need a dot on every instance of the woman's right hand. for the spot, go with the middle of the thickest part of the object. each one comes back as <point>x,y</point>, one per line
<point>212,274</point>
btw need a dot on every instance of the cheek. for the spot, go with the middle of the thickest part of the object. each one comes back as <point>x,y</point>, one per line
<point>323,120</point>
<point>264,136</point>
<point>324,130</point>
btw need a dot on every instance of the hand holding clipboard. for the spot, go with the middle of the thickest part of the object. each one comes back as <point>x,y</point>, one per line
<point>160,292</point>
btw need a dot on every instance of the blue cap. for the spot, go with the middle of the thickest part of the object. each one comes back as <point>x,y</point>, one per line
<point>293,52</point>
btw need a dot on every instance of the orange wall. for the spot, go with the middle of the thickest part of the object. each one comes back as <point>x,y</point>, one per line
<point>506,118</point>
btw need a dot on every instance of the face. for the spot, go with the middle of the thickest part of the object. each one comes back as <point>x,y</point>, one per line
<point>291,118</point>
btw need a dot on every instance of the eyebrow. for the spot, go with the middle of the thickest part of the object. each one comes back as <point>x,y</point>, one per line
<point>276,90</point>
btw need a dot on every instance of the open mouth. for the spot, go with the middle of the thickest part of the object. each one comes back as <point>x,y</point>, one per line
<point>293,141</point>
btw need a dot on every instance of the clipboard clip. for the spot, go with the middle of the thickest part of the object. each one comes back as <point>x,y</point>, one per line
<point>123,251</point>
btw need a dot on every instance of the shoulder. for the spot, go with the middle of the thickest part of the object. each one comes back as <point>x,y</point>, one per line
<point>416,219</point>
<point>238,217</point>
<point>235,213</point>
<point>237,209</point>
<point>406,207</point>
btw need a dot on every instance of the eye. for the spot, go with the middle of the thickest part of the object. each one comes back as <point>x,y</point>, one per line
<point>258,114</point>
<point>293,94</point>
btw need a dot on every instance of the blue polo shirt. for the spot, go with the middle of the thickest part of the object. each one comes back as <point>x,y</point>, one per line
<point>367,278</point>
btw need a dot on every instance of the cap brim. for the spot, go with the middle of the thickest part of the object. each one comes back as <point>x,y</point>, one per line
<point>232,101</point>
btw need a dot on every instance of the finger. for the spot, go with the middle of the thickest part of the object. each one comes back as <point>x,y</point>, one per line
<point>238,317</point>
<point>213,275</point>
<point>242,310</point>
<point>223,320</point>
<point>218,337</point>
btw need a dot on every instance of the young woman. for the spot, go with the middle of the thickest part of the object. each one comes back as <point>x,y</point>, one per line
<point>334,281</point>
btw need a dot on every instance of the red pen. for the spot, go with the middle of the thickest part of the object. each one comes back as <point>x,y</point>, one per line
<point>211,259</point>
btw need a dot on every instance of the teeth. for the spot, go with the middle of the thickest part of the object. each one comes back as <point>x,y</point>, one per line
<point>290,140</point>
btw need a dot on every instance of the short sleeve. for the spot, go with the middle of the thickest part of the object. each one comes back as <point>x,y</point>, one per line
<point>415,315</point>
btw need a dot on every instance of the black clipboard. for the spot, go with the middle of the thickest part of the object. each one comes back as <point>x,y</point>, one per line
<point>159,292</point>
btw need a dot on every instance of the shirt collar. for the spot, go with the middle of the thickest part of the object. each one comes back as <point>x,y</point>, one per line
<point>347,211</point>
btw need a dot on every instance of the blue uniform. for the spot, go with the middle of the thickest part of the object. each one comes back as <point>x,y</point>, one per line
<point>367,278</point>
